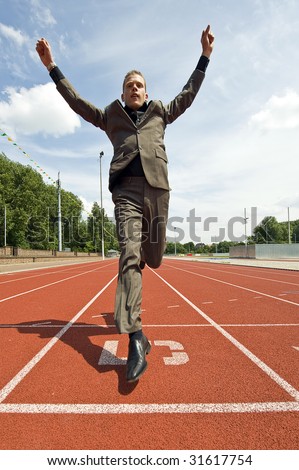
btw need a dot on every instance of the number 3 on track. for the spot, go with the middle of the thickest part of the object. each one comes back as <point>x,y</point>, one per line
<point>177,358</point>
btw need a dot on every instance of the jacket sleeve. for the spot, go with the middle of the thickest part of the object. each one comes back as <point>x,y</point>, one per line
<point>86,110</point>
<point>185,98</point>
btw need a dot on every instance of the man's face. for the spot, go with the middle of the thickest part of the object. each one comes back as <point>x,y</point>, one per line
<point>134,94</point>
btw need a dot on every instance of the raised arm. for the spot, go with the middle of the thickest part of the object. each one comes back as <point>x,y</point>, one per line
<point>86,110</point>
<point>186,97</point>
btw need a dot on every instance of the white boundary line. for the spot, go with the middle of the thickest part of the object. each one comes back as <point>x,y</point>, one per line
<point>270,372</point>
<point>29,267</point>
<point>129,408</point>
<point>51,284</point>
<point>157,325</point>
<point>50,273</point>
<point>9,387</point>
<point>246,274</point>
<point>235,285</point>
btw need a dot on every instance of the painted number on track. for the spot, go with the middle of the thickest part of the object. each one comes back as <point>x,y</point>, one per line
<point>178,355</point>
<point>177,358</point>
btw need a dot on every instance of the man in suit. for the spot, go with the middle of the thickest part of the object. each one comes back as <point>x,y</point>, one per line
<point>138,180</point>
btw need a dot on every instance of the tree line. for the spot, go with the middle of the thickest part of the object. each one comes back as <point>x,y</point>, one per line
<point>29,214</point>
<point>29,219</point>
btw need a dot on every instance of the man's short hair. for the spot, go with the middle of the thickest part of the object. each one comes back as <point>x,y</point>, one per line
<point>133,72</point>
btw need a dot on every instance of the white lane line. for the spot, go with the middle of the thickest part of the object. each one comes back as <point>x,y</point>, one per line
<point>9,387</point>
<point>178,325</point>
<point>128,408</point>
<point>172,306</point>
<point>28,278</point>
<point>232,300</point>
<point>237,325</point>
<point>237,287</point>
<point>254,277</point>
<point>50,284</point>
<point>75,264</point>
<point>270,372</point>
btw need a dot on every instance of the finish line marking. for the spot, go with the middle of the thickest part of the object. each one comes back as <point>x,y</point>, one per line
<point>149,325</point>
<point>151,408</point>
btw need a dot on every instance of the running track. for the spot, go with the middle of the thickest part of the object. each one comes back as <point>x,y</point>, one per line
<point>223,370</point>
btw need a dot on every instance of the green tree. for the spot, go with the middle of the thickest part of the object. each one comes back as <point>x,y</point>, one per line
<point>32,213</point>
<point>269,231</point>
<point>95,230</point>
<point>189,247</point>
<point>295,234</point>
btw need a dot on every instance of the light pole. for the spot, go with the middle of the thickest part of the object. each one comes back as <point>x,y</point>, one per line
<point>174,241</point>
<point>245,222</point>
<point>59,213</point>
<point>5,226</point>
<point>102,212</point>
<point>289,226</point>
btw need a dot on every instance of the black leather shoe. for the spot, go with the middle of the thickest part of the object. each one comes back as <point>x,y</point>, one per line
<point>142,264</point>
<point>136,363</point>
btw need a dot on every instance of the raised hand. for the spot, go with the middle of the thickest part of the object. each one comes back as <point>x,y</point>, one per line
<point>207,41</point>
<point>43,49</point>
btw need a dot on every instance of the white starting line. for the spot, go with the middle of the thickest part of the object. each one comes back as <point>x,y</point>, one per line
<point>150,408</point>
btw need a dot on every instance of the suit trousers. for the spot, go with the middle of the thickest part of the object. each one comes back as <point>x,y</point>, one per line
<point>141,213</point>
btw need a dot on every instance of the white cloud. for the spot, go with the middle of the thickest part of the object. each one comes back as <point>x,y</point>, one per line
<point>87,206</point>
<point>42,14</point>
<point>13,34</point>
<point>279,112</point>
<point>37,110</point>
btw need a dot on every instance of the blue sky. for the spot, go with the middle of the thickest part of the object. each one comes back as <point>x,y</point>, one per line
<point>234,149</point>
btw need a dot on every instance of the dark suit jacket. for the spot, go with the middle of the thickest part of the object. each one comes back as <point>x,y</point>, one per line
<point>145,137</point>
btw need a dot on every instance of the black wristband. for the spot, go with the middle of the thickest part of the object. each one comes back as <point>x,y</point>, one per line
<point>203,63</point>
<point>56,75</point>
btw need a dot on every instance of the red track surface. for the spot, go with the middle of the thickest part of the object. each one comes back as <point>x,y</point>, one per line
<point>223,370</point>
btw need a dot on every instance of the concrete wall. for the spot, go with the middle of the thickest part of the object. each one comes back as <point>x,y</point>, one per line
<point>23,252</point>
<point>242,251</point>
<point>11,254</point>
<point>6,251</point>
<point>266,251</point>
<point>277,251</point>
